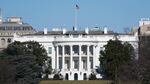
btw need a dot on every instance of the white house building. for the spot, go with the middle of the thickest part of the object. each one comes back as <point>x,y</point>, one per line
<point>75,54</point>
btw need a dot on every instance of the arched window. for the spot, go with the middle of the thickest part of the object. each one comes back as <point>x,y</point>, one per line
<point>2,41</point>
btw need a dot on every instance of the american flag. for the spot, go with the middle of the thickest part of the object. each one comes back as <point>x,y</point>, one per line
<point>77,7</point>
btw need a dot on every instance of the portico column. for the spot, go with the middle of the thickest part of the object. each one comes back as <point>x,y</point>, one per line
<point>80,58</point>
<point>57,55</point>
<point>88,65</point>
<point>63,57</point>
<point>71,57</point>
<point>94,56</point>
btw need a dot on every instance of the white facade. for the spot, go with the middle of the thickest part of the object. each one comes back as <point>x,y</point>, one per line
<point>76,56</point>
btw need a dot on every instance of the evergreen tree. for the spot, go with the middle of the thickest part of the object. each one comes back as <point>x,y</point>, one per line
<point>28,58</point>
<point>7,72</point>
<point>115,55</point>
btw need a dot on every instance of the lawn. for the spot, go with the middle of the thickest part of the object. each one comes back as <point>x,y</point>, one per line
<point>75,82</point>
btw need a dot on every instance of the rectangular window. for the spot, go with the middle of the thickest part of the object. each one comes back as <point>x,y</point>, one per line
<point>67,64</point>
<point>91,50</point>
<point>91,61</point>
<point>49,50</point>
<point>75,36</point>
<point>60,63</point>
<point>60,50</point>
<point>84,65</point>
<point>76,64</point>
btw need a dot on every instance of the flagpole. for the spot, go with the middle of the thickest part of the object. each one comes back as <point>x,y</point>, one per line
<point>75,18</point>
<point>0,13</point>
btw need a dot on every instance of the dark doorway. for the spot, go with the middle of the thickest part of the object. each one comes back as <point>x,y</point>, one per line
<point>66,77</point>
<point>75,76</point>
<point>84,76</point>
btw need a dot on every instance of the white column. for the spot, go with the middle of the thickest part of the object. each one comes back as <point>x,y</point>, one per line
<point>80,67</point>
<point>94,56</point>
<point>57,55</point>
<point>88,64</point>
<point>63,57</point>
<point>71,58</point>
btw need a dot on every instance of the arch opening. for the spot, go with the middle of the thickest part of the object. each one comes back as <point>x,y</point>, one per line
<point>66,76</point>
<point>75,76</point>
<point>84,76</point>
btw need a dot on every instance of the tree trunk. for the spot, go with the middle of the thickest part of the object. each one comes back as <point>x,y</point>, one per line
<point>116,75</point>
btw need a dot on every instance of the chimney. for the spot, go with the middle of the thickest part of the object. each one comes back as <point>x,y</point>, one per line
<point>74,28</point>
<point>15,35</point>
<point>87,30</point>
<point>105,30</point>
<point>45,30</point>
<point>1,21</point>
<point>64,31</point>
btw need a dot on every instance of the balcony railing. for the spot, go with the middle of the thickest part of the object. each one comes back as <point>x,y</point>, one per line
<point>78,38</point>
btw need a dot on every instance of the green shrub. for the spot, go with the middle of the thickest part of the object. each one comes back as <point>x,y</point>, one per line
<point>57,77</point>
<point>92,77</point>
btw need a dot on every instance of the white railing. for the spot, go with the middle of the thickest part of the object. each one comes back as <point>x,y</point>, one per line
<point>78,38</point>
